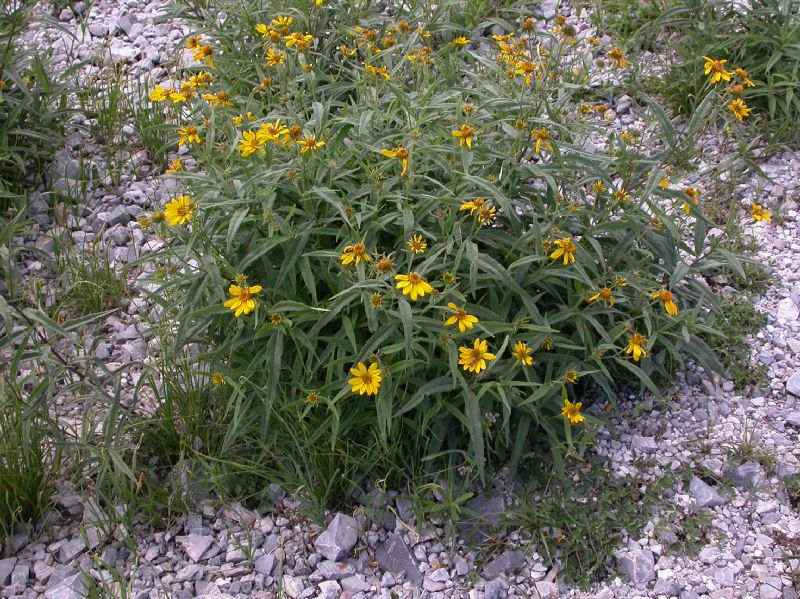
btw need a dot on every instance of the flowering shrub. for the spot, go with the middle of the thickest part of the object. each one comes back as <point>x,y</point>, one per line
<point>403,233</point>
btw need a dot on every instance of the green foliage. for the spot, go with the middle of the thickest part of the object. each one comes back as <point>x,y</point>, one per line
<point>792,484</point>
<point>88,283</point>
<point>762,37</point>
<point>630,20</point>
<point>284,217</point>
<point>33,105</point>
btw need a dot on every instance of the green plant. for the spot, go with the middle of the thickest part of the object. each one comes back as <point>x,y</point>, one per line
<point>581,522</point>
<point>89,284</point>
<point>792,485</point>
<point>368,179</point>
<point>760,37</point>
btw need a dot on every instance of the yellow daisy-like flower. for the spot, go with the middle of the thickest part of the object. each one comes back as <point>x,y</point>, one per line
<point>413,284</point>
<point>465,135</point>
<point>401,154</point>
<point>617,57</point>
<point>282,22</point>
<point>365,381</point>
<point>566,249</point>
<point>541,136</point>
<point>309,143</point>
<point>474,358</point>
<point>716,70</point>
<point>273,131</point>
<point>385,265</point>
<point>571,376</point>
<point>218,379</point>
<point>159,94</point>
<point>313,398</point>
<point>522,352</point>
<point>242,301</point>
<point>417,244</point>
<point>274,57</point>
<point>666,298</point>
<point>354,253</point>
<point>636,346</point>
<point>193,41</point>
<point>694,197</point>
<point>179,210</point>
<point>745,77</point>
<point>377,72</point>
<point>222,99</point>
<point>461,318</point>
<point>759,213</point>
<point>598,187</point>
<point>299,41</point>
<point>376,300</point>
<point>572,412</point>
<point>460,41</point>
<point>185,93</point>
<point>604,295</point>
<point>486,215</point>
<point>739,109</point>
<point>188,135</point>
<point>472,205</point>
<point>251,143</point>
<point>174,166</point>
<point>527,69</point>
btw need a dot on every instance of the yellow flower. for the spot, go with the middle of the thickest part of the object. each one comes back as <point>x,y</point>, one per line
<point>486,215</point>
<point>237,120</point>
<point>666,298</point>
<point>193,42</point>
<point>298,40</point>
<point>385,265</point>
<point>204,54</point>
<point>758,212</point>
<point>739,109</point>
<point>347,51</point>
<point>376,299</point>
<point>401,154</point>
<point>378,72</point>
<point>572,412</point>
<point>273,131</point>
<point>461,318</point>
<point>465,135</point>
<point>716,68</point>
<point>636,347</point>
<point>365,381</point>
<point>743,75</point>
<point>186,93</point>
<point>157,216</point>
<point>242,301</point>
<point>417,244</point>
<point>547,344</point>
<point>188,135</point>
<point>274,57</point>
<point>472,205</point>
<point>217,378</point>
<point>598,187</point>
<point>523,353</point>
<point>474,358</point>
<point>275,318</point>
<point>526,69</point>
<point>604,295</point>
<point>283,23</point>
<point>664,183</point>
<point>622,195</point>
<point>541,136</point>
<point>250,143</point>
<point>448,278</point>
<point>621,282</point>
<point>175,166</point>
<point>159,94</point>
<point>460,41</point>
<point>179,210</point>
<point>566,248</point>
<point>354,253</point>
<point>571,376</point>
<point>198,80</point>
<point>313,398</point>
<point>618,58</point>
<point>219,99</point>
<point>413,284</point>
<point>318,2</point>
<point>309,142</point>
<point>694,195</point>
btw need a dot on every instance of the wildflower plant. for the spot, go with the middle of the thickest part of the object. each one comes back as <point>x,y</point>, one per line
<point>425,235</point>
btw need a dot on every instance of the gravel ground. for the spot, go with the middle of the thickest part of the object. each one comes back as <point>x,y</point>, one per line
<point>229,551</point>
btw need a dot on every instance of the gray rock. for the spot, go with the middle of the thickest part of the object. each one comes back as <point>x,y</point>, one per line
<point>704,494</point>
<point>547,590</point>
<point>330,570</point>
<point>793,419</point>
<point>623,104</point>
<point>20,575</point>
<point>355,584</point>
<point>329,589</point>
<point>126,23</point>
<point>666,587</point>
<point>793,384</point>
<point>462,566</point>
<point>482,516</point>
<point>98,29</point>
<point>293,586</point>
<point>265,564</point>
<point>73,587</point>
<point>492,589</point>
<point>337,541</point>
<point>724,577</point>
<point>787,309</point>
<point>766,591</point>
<point>122,52</point>
<point>6,568</point>
<point>746,476</point>
<point>644,444</point>
<point>548,8</point>
<point>187,573</point>
<point>689,595</point>
<point>394,556</point>
<point>70,550</point>
<point>638,565</point>
<point>508,562</point>
<point>195,545</point>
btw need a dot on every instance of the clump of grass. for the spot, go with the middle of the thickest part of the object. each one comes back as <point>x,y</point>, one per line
<point>792,485</point>
<point>88,282</point>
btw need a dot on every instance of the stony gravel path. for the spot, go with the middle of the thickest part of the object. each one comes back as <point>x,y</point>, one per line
<point>230,551</point>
